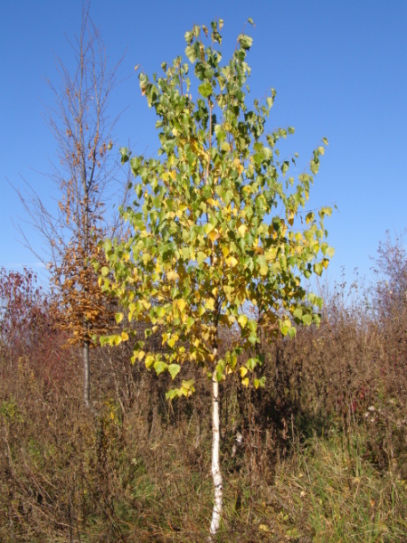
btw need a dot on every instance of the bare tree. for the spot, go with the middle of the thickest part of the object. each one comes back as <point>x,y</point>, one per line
<point>390,293</point>
<point>85,178</point>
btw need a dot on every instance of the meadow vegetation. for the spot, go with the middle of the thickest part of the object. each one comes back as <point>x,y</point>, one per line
<point>318,455</point>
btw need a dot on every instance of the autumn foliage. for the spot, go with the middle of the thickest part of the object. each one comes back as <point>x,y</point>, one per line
<point>85,311</point>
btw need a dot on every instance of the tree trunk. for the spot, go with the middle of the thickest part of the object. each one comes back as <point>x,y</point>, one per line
<point>216,473</point>
<point>86,375</point>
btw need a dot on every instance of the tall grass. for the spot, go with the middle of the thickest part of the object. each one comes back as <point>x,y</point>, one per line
<point>321,454</point>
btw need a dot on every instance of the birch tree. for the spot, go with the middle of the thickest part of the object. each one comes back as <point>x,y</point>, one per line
<point>219,237</point>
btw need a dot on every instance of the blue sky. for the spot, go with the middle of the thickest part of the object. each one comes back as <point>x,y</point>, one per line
<point>339,68</point>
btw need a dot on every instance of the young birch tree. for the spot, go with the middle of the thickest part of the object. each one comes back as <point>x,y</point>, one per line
<point>207,244</point>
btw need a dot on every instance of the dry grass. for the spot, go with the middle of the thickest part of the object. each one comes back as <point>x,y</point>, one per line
<point>323,455</point>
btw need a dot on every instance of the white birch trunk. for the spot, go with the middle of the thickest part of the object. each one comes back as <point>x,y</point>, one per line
<point>216,473</point>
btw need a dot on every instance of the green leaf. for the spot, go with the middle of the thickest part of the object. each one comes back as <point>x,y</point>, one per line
<point>251,363</point>
<point>160,311</point>
<point>187,387</point>
<point>107,245</point>
<point>174,370</point>
<point>189,36</point>
<point>119,317</point>
<point>205,89</point>
<point>285,326</point>
<point>173,393</point>
<point>190,52</point>
<point>259,383</point>
<point>314,165</point>
<point>250,20</point>
<point>160,366</point>
<point>330,252</point>
<point>307,319</point>
<point>104,271</point>
<point>139,190</point>
<point>124,152</point>
<point>318,268</point>
<point>115,340</point>
<point>245,41</point>
<point>135,164</point>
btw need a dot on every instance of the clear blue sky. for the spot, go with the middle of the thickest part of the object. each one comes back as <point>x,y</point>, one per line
<point>339,68</point>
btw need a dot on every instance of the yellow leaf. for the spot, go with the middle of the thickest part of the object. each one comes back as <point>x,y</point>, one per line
<point>180,304</point>
<point>212,202</point>
<point>225,251</point>
<point>242,229</point>
<point>238,165</point>
<point>172,275</point>
<point>208,227</point>
<point>245,382</point>
<point>309,217</point>
<point>173,340</point>
<point>243,371</point>
<point>242,320</point>
<point>271,254</point>
<point>231,261</point>
<point>125,336</point>
<point>149,361</point>
<point>263,270</point>
<point>115,340</point>
<point>210,304</point>
<point>213,236</point>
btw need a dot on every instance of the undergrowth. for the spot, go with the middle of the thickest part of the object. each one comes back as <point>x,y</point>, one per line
<point>319,455</point>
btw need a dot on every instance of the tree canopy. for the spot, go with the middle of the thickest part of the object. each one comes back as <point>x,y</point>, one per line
<point>219,235</point>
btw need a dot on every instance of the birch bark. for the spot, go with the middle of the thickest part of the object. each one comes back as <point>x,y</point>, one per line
<point>216,473</point>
